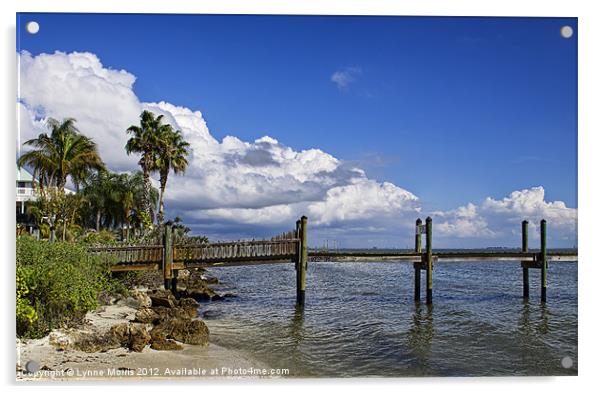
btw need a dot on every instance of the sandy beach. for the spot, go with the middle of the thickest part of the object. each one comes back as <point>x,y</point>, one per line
<point>192,362</point>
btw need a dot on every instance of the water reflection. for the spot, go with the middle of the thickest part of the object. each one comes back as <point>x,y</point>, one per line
<point>420,334</point>
<point>297,327</point>
<point>375,333</point>
<point>533,320</point>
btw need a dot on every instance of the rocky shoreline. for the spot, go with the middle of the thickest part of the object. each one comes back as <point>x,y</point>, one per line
<point>151,328</point>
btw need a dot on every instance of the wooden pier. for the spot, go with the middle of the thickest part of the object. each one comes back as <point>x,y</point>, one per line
<point>291,247</point>
<point>170,258</point>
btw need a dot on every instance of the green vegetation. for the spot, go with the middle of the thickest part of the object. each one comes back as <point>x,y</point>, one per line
<point>125,204</point>
<point>64,153</point>
<point>57,283</point>
<point>114,202</point>
<point>146,141</point>
<point>170,155</point>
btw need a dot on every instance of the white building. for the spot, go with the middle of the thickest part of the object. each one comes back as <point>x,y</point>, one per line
<point>26,191</point>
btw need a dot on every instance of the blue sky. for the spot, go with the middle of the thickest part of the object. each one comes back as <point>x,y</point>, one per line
<point>454,110</point>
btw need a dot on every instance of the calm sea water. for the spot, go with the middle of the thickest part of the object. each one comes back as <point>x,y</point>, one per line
<point>360,319</point>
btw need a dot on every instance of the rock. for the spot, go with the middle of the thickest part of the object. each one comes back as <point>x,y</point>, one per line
<point>146,315</point>
<point>93,342</point>
<point>217,297</point>
<point>200,293</point>
<point>192,332</point>
<point>59,341</point>
<point>175,313</point>
<point>209,280</point>
<point>189,306</point>
<point>183,274</point>
<point>132,336</point>
<point>163,298</point>
<point>139,338</point>
<point>143,300</point>
<point>165,344</point>
<point>129,301</point>
<point>230,295</point>
<point>121,333</point>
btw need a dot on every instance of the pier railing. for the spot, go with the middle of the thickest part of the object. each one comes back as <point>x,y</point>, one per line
<point>292,247</point>
<point>169,257</point>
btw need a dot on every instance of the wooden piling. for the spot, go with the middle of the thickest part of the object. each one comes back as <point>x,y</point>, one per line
<point>167,256</point>
<point>302,262</point>
<point>417,266</point>
<point>429,260</point>
<point>544,260</point>
<point>525,249</point>
<point>174,283</point>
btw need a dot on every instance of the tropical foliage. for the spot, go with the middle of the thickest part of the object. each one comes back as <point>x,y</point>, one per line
<point>123,203</point>
<point>115,201</point>
<point>145,141</point>
<point>60,211</point>
<point>62,154</point>
<point>57,283</point>
<point>171,154</point>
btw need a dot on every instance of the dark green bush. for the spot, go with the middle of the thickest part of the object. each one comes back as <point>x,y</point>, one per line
<point>57,283</point>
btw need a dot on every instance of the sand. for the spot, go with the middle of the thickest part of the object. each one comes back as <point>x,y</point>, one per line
<point>193,362</point>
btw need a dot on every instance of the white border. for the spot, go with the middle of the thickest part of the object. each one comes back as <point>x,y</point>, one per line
<point>589,32</point>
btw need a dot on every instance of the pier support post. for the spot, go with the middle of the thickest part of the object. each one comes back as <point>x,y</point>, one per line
<point>302,261</point>
<point>429,260</point>
<point>167,257</point>
<point>174,283</point>
<point>525,249</point>
<point>544,261</point>
<point>417,266</point>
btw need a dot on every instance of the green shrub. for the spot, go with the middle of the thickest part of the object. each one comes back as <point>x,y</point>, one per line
<point>102,237</point>
<point>26,314</point>
<point>57,283</point>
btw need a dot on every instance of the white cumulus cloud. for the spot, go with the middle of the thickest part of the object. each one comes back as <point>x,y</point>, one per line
<point>236,188</point>
<point>501,219</point>
<point>262,182</point>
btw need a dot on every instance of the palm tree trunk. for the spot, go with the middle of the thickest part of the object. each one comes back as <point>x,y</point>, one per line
<point>147,191</point>
<point>163,180</point>
<point>98,220</point>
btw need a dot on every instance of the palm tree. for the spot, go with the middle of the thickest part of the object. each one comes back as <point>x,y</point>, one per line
<point>100,193</point>
<point>131,190</point>
<point>145,140</point>
<point>115,201</point>
<point>172,153</point>
<point>63,153</point>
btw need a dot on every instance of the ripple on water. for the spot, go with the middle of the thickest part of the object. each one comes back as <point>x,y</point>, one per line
<point>360,320</point>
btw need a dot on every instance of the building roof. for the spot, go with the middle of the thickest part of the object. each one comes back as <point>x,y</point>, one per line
<point>23,175</point>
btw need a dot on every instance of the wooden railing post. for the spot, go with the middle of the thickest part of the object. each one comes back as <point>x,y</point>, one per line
<point>167,257</point>
<point>302,262</point>
<point>429,260</point>
<point>544,261</point>
<point>525,249</point>
<point>417,265</point>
